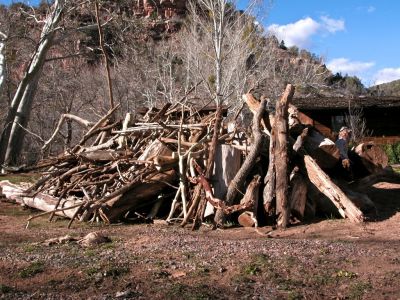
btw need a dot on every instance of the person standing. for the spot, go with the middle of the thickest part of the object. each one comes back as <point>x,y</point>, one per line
<point>343,145</point>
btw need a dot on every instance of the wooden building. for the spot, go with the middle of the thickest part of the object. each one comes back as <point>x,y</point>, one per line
<point>328,114</point>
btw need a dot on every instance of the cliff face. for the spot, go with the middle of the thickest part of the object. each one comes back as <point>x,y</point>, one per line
<point>165,9</point>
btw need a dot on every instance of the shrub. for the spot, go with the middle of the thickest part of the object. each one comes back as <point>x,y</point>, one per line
<point>393,152</point>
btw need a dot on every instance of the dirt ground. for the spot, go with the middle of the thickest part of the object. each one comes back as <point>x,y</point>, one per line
<point>328,259</point>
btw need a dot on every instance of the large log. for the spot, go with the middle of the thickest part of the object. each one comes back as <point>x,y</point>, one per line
<point>322,149</point>
<point>227,164</point>
<point>325,185</point>
<point>281,157</point>
<point>254,105</point>
<point>298,195</point>
<point>140,195</point>
<point>40,201</point>
<point>372,157</point>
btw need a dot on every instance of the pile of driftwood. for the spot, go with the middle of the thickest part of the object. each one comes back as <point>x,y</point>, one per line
<point>185,164</point>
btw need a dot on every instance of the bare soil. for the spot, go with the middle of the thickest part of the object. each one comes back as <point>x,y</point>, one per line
<point>328,259</point>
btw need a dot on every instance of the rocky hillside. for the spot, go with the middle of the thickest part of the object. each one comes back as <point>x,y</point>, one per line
<point>386,89</point>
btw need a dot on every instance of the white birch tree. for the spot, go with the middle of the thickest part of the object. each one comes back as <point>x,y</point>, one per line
<point>3,38</point>
<point>11,141</point>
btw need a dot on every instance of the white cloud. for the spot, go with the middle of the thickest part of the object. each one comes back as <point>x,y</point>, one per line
<point>298,33</point>
<point>332,25</point>
<point>301,32</point>
<point>371,9</point>
<point>346,66</point>
<point>387,75</point>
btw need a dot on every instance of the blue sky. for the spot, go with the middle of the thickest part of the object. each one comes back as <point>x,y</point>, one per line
<point>355,37</point>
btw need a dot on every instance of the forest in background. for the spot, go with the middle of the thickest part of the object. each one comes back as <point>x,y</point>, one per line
<point>153,60</point>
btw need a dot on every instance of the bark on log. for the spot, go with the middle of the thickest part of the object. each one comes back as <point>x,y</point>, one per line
<point>237,182</point>
<point>40,201</point>
<point>281,157</point>
<point>298,196</point>
<point>326,186</point>
<point>372,157</point>
<point>369,181</point>
<point>210,167</point>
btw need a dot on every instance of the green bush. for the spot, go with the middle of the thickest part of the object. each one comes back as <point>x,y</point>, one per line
<point>393,152</point>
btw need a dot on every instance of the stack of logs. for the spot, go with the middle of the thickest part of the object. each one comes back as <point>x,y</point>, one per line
<point>183,165</point>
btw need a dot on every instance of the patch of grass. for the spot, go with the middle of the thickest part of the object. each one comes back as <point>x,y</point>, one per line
<point>321,279</point>
<point>31,270</point>
<point>92,271</point>
<point>182,291</point>
<point>18,178</point>
<point>90,253</point>
<point>29,248</point>
<point>4,289</point>
<point>345,274</point>
<point>251,269</point>
<point>324,251</point>
<point>294,295</point>
<point>115,271</point>
<point>358,289</point>
<point>110,245</point>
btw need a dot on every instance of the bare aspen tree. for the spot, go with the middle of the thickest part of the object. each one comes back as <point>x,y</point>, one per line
<point>3,38</point>
<point>357,123</point>
<point>220,41</point>
<point>18,113</point>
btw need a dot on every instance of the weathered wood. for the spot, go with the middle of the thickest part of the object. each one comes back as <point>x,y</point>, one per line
<point>101,155</point>
<point>227,164</point>
<point>155,149</point>
<point>322,149</point>
<point>326,186</point>
<point>372,157</point>
<point>122,141</point>
<point>40,201</point>
<point>270,178</point>
<point>281,157</point>
<point>254,106</point>
<point>210,166</point>
<point>144,193</point>
<point>237,182</point>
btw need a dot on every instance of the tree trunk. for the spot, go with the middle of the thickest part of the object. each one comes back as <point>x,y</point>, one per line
<point>3,38</point>
<point>281,157</point>
<point>19,111</point>
<point>238,181</point>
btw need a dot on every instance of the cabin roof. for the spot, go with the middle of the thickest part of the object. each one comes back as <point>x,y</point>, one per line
<point>325,103</point>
